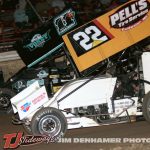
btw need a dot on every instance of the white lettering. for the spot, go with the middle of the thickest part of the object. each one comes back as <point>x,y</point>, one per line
<point>122,15</point>
<point>114,19</point>
<point>127,12</point>
<point>143,4</point>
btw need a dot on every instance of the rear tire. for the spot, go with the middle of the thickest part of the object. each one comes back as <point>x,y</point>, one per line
<point>146,107</point>
<point>49,121</point>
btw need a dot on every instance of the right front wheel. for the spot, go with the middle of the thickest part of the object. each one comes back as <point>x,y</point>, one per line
<point>49,121</point>
<point>5,96</point>
<point>146,107</point>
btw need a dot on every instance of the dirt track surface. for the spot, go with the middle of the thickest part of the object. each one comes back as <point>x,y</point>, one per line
<point>128,130</point>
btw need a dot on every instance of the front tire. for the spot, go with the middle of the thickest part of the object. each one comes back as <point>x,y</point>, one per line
<point>5,96</point>
<point>49,121</point>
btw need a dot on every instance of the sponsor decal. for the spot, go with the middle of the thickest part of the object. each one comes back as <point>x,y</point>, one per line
<point>14,140</point>
<point>88,37</point>
<point>39,98</point>
<point>38,40</point>
<point>36,100</point>
<point>130,15</point>
<point>65,21</point>
<point>25,107</point>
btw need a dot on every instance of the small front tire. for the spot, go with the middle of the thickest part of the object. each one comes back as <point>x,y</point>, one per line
<point>49,121</point>
<point>5,96</point>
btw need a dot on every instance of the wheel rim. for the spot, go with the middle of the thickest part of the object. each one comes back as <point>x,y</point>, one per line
<point>49,125</point>
<point>4,100</point>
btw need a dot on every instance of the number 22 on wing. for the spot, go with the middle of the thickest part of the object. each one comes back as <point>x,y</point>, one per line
<point>90,34</point>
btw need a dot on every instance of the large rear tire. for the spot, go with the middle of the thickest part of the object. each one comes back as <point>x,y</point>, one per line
<point>49,121</point>
<point>146,107</point>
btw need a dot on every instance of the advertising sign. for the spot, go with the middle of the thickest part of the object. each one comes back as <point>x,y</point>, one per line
<point>46,39</point>
<point>109,34</point>
<point>29,100</point>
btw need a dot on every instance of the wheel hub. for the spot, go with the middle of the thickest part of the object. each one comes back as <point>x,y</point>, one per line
<point>4,100</point>
<point>49,125</point>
